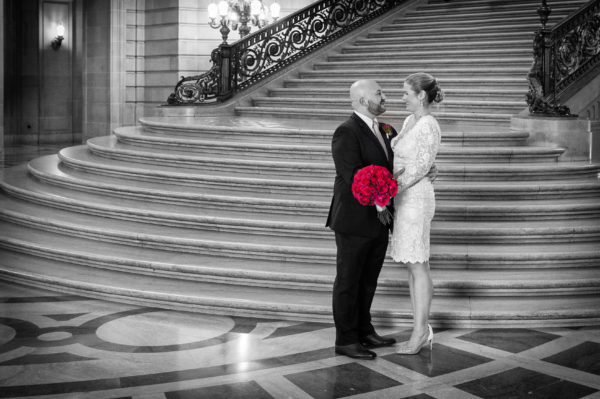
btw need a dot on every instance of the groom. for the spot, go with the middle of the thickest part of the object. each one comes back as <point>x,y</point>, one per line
<point>360,237</point>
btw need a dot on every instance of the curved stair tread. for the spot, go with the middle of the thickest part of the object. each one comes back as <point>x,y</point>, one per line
<point>137,135</point>
<point>457,93</point>
<point>193,150</point>
<point>248,272</point>
<point>281,303</point>
<point>17,183</point>
<point>309,236</point>
<point>443,256</point>
<point>509,255</point>
<point>111,147</point>
<point>228,125</point>
<point>283,237</point>
<point>336,102</point>
<point>254,172</point>
<point>395,116</point>
<point>48,169</point>
<point>80,157</point>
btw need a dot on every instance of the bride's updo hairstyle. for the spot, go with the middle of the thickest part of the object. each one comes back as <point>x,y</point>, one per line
<point>424,81</point>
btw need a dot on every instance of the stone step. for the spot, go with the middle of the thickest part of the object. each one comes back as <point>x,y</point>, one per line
<point>201,152</point>
<point>187,233</point>
<point>449,105</point>
<point>454,255</point>
<point>47,169</point>
<point>206,140</point>
<point>281,130</point>
<point>357,73</point>
<point>185,166</point>
<point>447,120</point>
<point>18,184</point>
<point>250,220</point>
<point>293,276</point>
<point>496,9</point>
<point>435,29</point>
<point>281,303</point>
<point>134,139</point>
<point>435,6</point>
<point>452,94</point>
<point>398,59</point>
<point>482,21</point>
<point>485,41</point>
<point>393,37</point>
<point>408,51</point>
<point>480,26</point>
<point>463,82</point>
<point>283,133</point>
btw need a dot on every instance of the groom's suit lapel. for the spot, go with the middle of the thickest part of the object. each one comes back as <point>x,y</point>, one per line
<point>366,130</point>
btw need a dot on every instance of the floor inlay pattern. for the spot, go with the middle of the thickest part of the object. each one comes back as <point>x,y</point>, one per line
<point>64,346</point>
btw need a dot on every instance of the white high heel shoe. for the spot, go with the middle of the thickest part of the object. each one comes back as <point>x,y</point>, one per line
<point>413,351</point>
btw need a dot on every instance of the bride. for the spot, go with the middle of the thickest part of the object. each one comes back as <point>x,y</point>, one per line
<point>415,149</point>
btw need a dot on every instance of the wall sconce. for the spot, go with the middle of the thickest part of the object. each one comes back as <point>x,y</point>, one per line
<point>60,35</point>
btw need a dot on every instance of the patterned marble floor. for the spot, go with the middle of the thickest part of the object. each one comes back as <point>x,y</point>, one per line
<point>54,345</point>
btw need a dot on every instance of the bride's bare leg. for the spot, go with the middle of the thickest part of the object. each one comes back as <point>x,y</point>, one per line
<point>411,287</point>
<point>421,290</point>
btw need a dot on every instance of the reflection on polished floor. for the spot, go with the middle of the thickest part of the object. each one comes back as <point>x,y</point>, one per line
<point>55,345</point>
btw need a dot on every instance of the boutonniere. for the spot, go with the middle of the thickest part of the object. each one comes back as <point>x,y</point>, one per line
<point>387,129</point>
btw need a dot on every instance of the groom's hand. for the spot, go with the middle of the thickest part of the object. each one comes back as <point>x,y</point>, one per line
<point>433,172</point>
<point>398,173</point>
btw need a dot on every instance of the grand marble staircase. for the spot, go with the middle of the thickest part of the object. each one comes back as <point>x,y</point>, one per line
<point>225,214</point>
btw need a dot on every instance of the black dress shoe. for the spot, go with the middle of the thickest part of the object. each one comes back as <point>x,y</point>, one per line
<point>376,341</point>
<point>356,351</point>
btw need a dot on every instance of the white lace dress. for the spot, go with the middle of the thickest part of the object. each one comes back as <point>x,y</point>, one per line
<point>415,149</point>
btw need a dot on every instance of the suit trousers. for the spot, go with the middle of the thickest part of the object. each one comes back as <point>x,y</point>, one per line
<point>359,261</point>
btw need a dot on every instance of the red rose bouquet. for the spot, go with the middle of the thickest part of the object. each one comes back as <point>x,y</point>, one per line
<point>374,185</point>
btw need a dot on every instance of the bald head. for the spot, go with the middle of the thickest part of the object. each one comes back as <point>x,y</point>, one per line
<point>367,97</point>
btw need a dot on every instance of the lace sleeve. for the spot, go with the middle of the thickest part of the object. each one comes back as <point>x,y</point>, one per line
<point>427,138</point>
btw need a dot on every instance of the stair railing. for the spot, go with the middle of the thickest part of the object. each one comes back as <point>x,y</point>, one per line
<point>257,56</point>
<point>562,56</point>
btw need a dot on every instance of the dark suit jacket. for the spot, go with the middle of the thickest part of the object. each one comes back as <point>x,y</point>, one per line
<point>354,146</point>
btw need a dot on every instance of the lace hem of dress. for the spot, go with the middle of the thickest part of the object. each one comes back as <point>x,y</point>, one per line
<point>413,260</point>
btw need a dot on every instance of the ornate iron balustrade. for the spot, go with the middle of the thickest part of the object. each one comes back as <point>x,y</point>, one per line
<point>255,57</point>
<point>562,55</point>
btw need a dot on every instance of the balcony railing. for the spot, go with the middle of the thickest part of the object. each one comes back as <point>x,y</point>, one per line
<point>563,56</point>
<point>257,56</point>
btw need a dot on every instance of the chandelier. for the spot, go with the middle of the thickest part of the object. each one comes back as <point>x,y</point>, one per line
<point>239,15</point>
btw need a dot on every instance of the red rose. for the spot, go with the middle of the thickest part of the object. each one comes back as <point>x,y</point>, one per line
<point>374,185</point>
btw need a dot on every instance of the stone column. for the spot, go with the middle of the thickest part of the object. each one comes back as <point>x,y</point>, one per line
<point>118,58</point>
<point>2,36</point>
